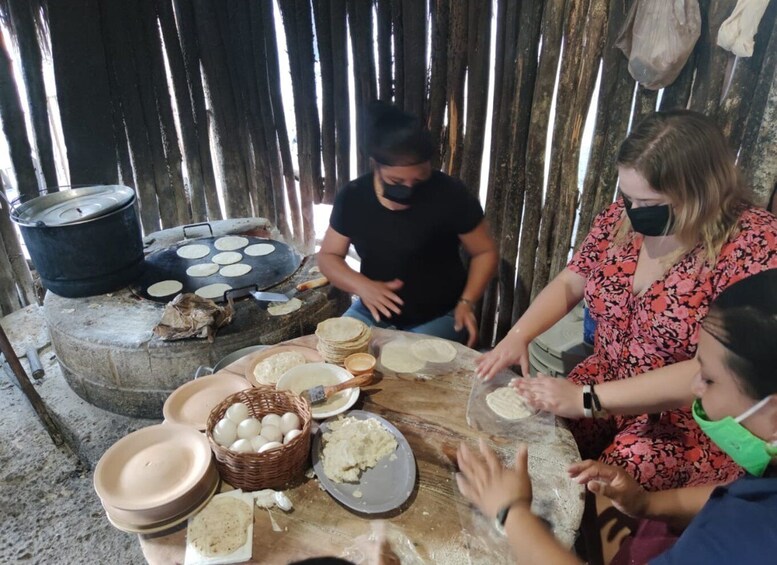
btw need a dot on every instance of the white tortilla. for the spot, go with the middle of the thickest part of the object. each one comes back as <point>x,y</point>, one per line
<point>236,270</point>
<point>202,270</point>
<point>506,403</point>
<point>230,243</point>
<point>340,329</point>
<point>283,308</point>
<point>194,251</point>
<point>227,257</point>
<point>269,370</point>
<point>433,350</point>
<point>259,249</point>
<point>397,356</point>
<point>164,288</point>
<point>221,528</point>
<point>211,291</point>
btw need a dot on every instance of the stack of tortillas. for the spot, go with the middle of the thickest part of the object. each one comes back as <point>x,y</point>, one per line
<point>340,337</point>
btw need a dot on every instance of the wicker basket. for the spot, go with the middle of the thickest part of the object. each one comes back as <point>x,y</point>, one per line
<point>277,468</point>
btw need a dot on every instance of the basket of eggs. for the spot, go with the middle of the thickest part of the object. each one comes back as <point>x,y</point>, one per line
<point>261,438</point>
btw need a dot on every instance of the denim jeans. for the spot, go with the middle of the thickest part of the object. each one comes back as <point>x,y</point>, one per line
<point>439,327</point>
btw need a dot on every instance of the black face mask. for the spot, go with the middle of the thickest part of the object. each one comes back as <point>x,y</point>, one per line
<point>650,220</point>
<point>399,193</point>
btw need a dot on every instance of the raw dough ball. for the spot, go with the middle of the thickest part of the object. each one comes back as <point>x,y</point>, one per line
<point>237,270</point>
<point>433,350</point>
<point>202,270</point>
<point>289,421</point>
<point>268,446</point>
<point>248,428</point>
<point>283,308</point>
<point>227,257</point>
<point>241,446</point>
<point>271,420</point>
<point>164,288</point>
<point>259,249</point>
<point>237,412</point>
<point>258,442</point>
<point>506,403</point>
<point>271,433</point>
<point>230,243</point>
<point>195,251</point>
<point>290,435</point>
<point>212,291</point>
<point>225,432</point>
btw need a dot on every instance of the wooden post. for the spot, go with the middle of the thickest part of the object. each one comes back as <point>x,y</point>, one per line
<point>711,60</point>
<point>457,69</point>
<point>383,24</point>
<point>322,11</point>
<point>365,91</point>
<point>397,25</point>
<point>414,40</point>
<point>439,76</point>
<point>17,288</point>
<point>340,91</point>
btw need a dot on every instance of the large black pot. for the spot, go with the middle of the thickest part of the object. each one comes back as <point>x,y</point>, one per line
<point>84,241</point>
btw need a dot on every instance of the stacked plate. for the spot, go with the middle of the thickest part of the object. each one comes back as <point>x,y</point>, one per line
<point>340,337</point>
<point>156,478</point>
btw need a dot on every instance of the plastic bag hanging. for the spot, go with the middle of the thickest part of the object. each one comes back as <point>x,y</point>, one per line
<point>737,33</point>
<point>658,38</point>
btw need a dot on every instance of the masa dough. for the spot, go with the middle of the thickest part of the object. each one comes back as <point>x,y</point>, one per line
<point>227,257</point>
<point>237,270</point>
<point>221,528</point>
<point>269,370</point>
<point>195,251</point>
<point>202,270</point>
<point>259,249</point>
<point>433,350</point>
<point>230,243</point>
<point>212,291</point>
<point>352,446</point>
<point>283,308</point>
<point>164,288</point>
<point>506,403</point>
<point>398,356</point>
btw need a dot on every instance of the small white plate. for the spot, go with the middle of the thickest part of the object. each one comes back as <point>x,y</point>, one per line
<point>304,377</point>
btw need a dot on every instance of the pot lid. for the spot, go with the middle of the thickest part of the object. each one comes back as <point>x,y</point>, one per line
<point>73,206</point>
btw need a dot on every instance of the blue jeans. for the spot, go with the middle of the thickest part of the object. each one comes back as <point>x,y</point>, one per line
<point>439,327</point>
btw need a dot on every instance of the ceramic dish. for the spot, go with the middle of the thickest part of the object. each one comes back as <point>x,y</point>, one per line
<point>311,355</point>
<point>304,377</point>
<point>384,487</point>
<point>152,468</point>
<point>190,404</point>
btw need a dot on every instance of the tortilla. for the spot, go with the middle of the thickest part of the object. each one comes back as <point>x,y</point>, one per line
<point>227,257</point>
<point>270,370</point>
<point>506,403</point>
<point>283,308</point>
<point>202,270</point>
<point>212,291</point>
<point>230,243</point>
<point>237,270</point>
<point>340,329</point>
<point>164,288</point>
<point>433,350</point>
<point>259,249</point>
<point>195,251</point>
<point>397,356</point>
<point>221,528</point>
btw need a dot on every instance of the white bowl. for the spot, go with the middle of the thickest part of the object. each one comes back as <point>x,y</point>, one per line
<point>304,377</point>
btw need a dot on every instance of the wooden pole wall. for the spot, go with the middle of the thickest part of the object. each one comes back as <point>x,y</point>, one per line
<point>240,145</point>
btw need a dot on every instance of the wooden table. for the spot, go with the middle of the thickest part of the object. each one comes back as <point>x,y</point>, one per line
<point>432,415</point>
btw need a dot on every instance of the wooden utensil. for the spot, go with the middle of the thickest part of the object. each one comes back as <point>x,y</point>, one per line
<point>320,393</point>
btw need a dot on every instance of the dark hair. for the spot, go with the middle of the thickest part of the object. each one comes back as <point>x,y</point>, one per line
<point>396,138</point>
<point>744,319</point>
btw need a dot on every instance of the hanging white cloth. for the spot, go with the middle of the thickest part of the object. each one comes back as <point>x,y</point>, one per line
<point>737,33</point>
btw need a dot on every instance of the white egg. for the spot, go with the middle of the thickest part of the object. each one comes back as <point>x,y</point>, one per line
<point>241,446</point>
<point>272,420</point>
<point>290,435</point>
<point>258,442</point>
<point>289,421</point>
<point>237,412</point>
<point>249,428</point>
<point>225,432</point>
<point>272,433</point>
<point>268,446</point>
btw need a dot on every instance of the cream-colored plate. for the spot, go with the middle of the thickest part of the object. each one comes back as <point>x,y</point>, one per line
<point>190,404</point>
<point>311,355</point>
<point>152,467</point>
<point>305,377</point>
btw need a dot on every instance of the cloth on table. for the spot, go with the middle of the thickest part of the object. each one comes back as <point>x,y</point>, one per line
<point>189,315</point>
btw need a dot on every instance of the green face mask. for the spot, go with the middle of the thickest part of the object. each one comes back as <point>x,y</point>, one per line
<point>751,452</point>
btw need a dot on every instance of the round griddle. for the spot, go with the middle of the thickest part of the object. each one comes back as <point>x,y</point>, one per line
<point>266,270</point>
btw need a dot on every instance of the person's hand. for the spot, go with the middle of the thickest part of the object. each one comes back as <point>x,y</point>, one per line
<point>556,395</point>
<point>464,317</point>
<point>513,349</point>
<point>488,484</point>
<point>381,298</point>
<point>612,482</point>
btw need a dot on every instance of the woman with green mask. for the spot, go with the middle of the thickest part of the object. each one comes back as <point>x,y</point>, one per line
<point>736,405</point>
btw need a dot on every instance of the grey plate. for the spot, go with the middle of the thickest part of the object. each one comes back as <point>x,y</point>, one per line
<point>385,487</point>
